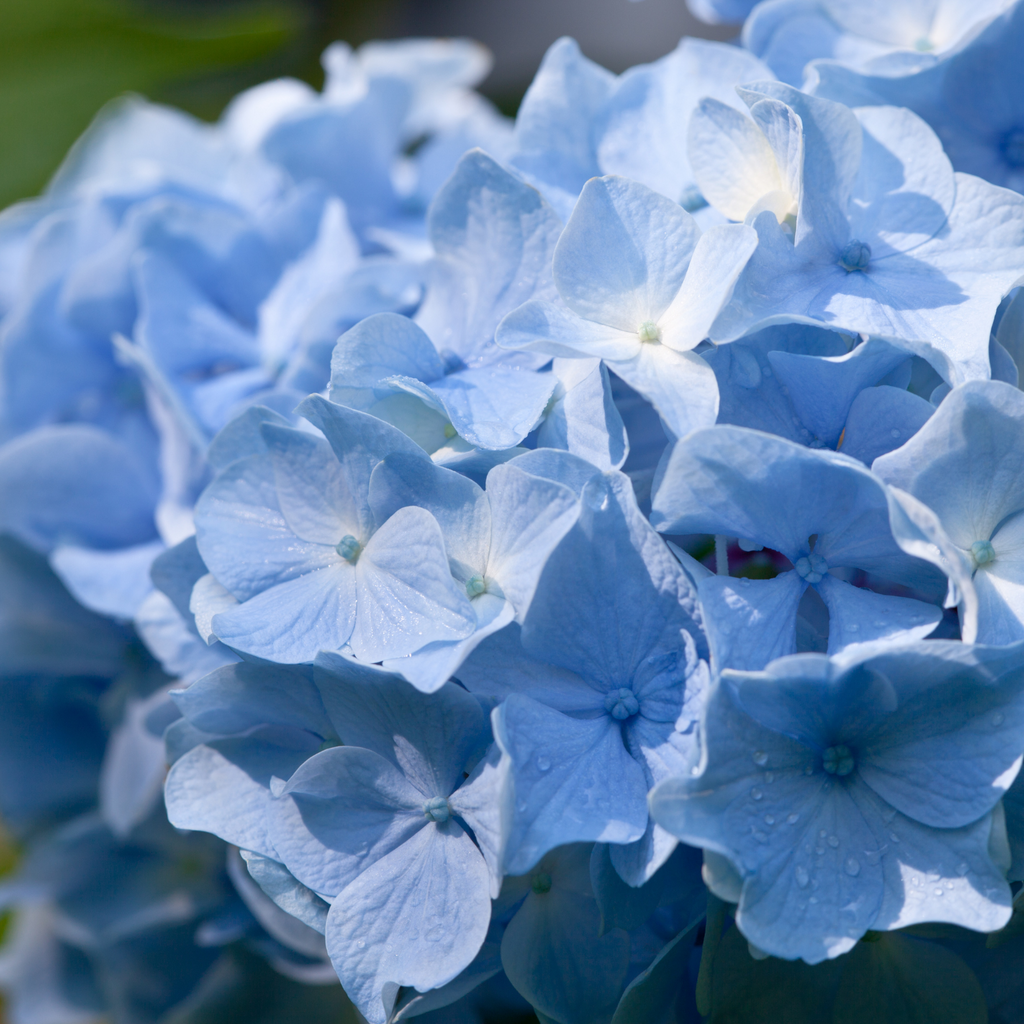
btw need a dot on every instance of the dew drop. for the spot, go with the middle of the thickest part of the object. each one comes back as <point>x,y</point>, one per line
<point>769,777</point>
<point>802,878</point>
<point>938,892</point>
<point>822,833</point>
<point>894,432</point>
<point>769,819</point>
<point>833,841</point>
<point>360,944</point>
<point>435,934</point>
<point>915,880</point>
<point>809,770</point>
<point>998,718</point>
<point>819,850</point>
<point>543,764</point>
<point>756,794</point>
<point>962,869</point>
<point>813,899</point>
<point>760,758</point>
<point>792,819</point>
<point>760,836</point>
<point>852,866</point>
<point>895,838</point>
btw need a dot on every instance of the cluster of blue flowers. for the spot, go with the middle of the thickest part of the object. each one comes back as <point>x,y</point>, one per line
<point>572,565</point>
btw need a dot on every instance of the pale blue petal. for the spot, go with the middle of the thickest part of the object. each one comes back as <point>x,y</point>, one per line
<point>432,666</point>
<point>459,506</point>
<point>643,129</point>
<point>313,491</point>
<point>574,781</point>
<point>930,875</point>
<point>585,420</point>
<point>485,802</point>
<point>113,583</point>
<point>750,622</point>
<point>75,484</point>
<point>822,390</point>
<point>494,407</point>
<point>239,697</point>
<point>242,437</point>
<point>415,918</point>
<point>489,228</point>
<point>882,419</point>
<point>342,810</point>
<point>856,615</point>
<point>529,517</point>
<point>624,253</point>
<point>240,514</point>
<point>680,386</point>
<point>405,593</point>
<point>553,141</point>
<point>430,738</point>
<point>555,956</point>
<point>381,346</point>
<point>292,621</point>
<point>199,783</point>
<point>554,329</point>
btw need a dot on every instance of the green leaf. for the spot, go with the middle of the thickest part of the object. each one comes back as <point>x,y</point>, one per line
<point>61,60</point>
<point>769,991</point>
<point>903,980</point>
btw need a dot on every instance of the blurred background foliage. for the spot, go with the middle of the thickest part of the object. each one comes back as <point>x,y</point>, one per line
<point>61,60</point>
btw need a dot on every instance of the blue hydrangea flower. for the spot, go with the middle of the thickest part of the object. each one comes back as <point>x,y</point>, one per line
<point>964,464</point>
<point>578,121</point>
<point>335,571</point>
<point>639,287</point>
<point>956,97</point>
<point>823,511</point>
<point>802,383</point>
<point>498,540</point>
<point>892,38</point>
<point>601,688</point>
<point>887,240</point>
<point>373,825</point>
<point>856,793</point>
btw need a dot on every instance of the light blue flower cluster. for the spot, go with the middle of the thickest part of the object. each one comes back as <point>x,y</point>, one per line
<point>400,436</point>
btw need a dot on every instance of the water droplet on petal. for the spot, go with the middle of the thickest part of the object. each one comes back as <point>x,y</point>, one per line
<point>543,764</point>
<point>962,869</point>
<point>792,819</point>
<point>769,777</point>
<point>998,718</point>
<point>833,841</point>
<point>769,819</point>
<point>760,758</point>
<point>802,878</point>
<point>938,892</point>
<point>756,794</point>
<point>895,838</point>
<point>852,866</point>
<point>360,944</point>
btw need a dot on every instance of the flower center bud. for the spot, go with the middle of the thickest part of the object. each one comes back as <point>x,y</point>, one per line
<point>811,567</point>
<point>475,586</point>
<point>621,704</point>
<point>649,331</point>
<point>437,809</point>
<point>349,548</point>
<point>855,256</point>
<point>982,552</point>
<point>838,760</point>
<point>541,883</point>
